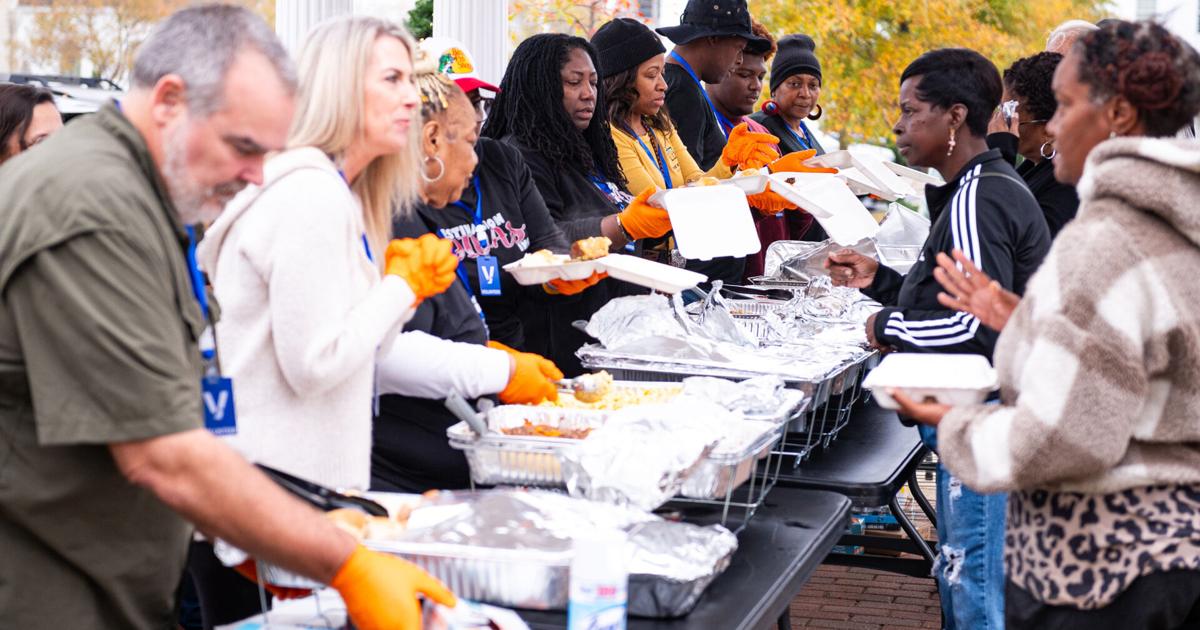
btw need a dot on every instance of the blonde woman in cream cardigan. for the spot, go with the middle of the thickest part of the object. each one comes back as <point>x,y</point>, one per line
<point>296,262</point>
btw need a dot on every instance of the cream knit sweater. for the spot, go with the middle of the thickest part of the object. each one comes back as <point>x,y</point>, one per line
<point>1099,433</point>
<point>303,315</point>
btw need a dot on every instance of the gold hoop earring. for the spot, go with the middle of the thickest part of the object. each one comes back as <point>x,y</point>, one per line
<point>950,151</point>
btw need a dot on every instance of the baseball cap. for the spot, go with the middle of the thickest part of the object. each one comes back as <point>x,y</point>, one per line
<point>455,62</point>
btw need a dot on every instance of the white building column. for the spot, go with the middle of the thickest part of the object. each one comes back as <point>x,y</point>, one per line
<point>482,26</point>
<point>295,18</point>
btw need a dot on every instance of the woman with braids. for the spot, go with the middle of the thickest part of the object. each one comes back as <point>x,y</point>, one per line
<point>1027,83</point>
<point>1096,438</point>
<point>545,109</point>
<point>447,346</point>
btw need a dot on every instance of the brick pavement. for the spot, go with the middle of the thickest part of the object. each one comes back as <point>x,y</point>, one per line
<point>853,598</point>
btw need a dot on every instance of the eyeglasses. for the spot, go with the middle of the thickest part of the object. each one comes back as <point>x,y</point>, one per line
<point>1032,122</point>
<point>483,105</point>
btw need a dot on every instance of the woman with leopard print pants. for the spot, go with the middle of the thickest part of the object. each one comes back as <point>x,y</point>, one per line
<point>1097,438</point>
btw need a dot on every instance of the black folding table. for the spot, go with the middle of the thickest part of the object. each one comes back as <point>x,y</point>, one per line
<point>872,457</point>
<point>777,552</point>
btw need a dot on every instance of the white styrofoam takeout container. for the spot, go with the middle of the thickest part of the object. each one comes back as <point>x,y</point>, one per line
<point>831,202</point>
<point>711,221</point>
<point>951,379</point>
<point>632,269</point>
<point>532,274</point>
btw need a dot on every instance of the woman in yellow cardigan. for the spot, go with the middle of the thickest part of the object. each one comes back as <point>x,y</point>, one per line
<point>649,149</point>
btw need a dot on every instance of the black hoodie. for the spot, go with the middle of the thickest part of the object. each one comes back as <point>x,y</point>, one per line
<point>987,212</point>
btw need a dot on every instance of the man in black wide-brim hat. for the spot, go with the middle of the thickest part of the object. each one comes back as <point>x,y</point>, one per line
<point>708,44</point>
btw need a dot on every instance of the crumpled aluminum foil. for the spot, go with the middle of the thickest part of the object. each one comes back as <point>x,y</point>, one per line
<point>805,260</point>
<point>514,520</point>
<point>717,323</point>
<point>670,564</point>
<point>824,302</point>
<point>628,320</point>
<point>643,455</point>
<point>756,396</point>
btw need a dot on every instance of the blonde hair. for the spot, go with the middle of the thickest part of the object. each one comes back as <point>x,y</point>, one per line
<point>330,117</point>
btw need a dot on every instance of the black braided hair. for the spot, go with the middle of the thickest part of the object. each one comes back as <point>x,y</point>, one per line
<point>529,107</point>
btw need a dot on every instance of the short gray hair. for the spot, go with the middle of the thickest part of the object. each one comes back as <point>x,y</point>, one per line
<point>200,44</point>
<point>1064,35</point>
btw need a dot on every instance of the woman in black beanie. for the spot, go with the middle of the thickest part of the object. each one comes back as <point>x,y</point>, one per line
<point>795,90</point>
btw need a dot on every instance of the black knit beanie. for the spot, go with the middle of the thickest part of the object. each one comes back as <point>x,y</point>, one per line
<point>624,43</point>
<point>796,54</point>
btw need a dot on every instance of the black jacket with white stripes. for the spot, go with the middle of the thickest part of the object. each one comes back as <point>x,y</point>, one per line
<point>989,214</point>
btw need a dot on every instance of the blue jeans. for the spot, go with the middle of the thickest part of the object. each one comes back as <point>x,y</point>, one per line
<point>970,565</point>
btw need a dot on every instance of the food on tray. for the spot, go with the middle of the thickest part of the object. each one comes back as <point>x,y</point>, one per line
<point>363,526</point>
<point>590,388</point>
<point>352,521</point>
<point>543,257</point>
<point>619,397</point>
<point>590,248</point>
<point>750,172</point>
<point>544,430</point>
<point>707,180</point>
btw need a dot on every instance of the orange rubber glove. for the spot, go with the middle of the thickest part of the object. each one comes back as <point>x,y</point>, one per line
<point>532,381</point>
<point>427,264</point>
<point>571,287</point>
<point>642,220</point>
<point>249,570</point>
<point>380,591</point>
<point>794,162</point>
<point>746,149</point>
<point>769,202</point>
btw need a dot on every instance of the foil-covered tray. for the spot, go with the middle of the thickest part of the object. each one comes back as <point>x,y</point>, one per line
<point>641,366</point>
<point>514,548</point>
<point>740,308</point>
<point>720,474</point>
<point>497,459</point>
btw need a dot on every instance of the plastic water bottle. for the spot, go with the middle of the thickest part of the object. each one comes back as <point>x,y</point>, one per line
<point>599,579</point>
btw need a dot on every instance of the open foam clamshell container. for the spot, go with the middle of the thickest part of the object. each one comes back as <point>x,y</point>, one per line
<point>711,221</point>
<point>831,202</point>
<point>631,269</point>
<point>870,173</point>
<point>950,379</point>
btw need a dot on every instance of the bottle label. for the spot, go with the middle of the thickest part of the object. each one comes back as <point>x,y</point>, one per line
<point>603,614</point>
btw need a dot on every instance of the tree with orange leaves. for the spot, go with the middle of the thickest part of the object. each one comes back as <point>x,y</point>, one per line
<point>577,17</point>
<point>864,45</point>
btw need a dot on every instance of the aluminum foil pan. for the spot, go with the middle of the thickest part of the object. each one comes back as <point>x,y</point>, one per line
<point>645,455</point>
<point>671,566</point>
<point>720,474</point>
<point>499,459</point>
<point>805,260</point>
<point>513,548</point>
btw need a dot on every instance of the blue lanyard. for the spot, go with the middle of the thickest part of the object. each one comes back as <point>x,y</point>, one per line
<point>198,289</point>
<point>366,243</point>
<point>722,121</point>
<point>478,212</point>
<point>461,271</point>
<point>806,142</point>
<point>661,162</point>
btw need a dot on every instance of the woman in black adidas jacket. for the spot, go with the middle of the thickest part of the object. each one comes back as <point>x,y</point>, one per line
<point>985,210</point>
